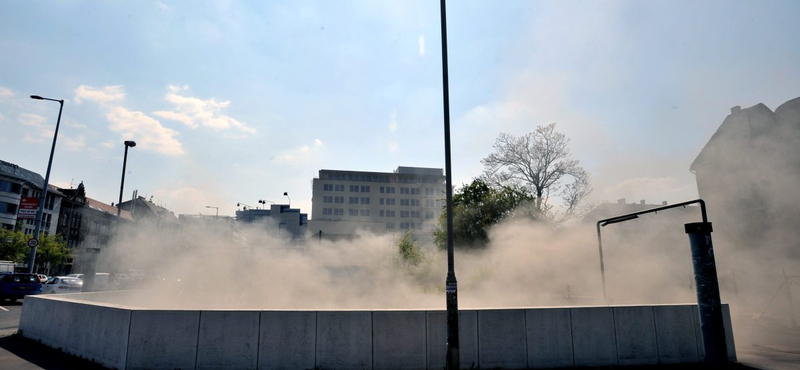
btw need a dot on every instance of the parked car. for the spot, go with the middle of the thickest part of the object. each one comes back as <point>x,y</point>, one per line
<point>14,286</point>
<point>63,284</point>
<point>43,278</point>
<point>77,276</point>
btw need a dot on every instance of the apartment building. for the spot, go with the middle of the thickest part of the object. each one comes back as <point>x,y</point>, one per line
<point>345,203</point>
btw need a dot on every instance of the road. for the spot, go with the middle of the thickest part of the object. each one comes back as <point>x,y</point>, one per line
<point>758,350</point>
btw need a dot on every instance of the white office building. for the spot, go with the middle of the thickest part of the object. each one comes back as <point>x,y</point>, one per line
<point>346,202</point>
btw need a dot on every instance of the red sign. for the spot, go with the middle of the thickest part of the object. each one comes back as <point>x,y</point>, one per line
<point>28,207</point>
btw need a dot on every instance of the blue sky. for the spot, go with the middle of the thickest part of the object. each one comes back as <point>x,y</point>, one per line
<point>239,101</point>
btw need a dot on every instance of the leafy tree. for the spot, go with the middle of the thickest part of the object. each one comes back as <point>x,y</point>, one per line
<point>13,246</point>
<point>52,251</point>
<point>540,163</point>
<point>408,249</point>
<point>476,208</point>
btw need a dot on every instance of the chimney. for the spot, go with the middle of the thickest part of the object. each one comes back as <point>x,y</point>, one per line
<point>641,202</point>
<point>736,109</point>
<point>621,201</point>
<point>664,203</point>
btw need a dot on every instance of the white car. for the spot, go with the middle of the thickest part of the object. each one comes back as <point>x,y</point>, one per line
<point>62,284</point>
<point>76,276</point>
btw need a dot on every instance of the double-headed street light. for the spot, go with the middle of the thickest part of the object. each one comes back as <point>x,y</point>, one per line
<point>43,195</point>
<point>128,144</point>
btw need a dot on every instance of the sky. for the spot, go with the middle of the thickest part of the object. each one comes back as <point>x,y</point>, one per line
<point>239,101</point>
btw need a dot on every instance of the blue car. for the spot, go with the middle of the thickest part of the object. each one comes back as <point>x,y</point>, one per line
<point>14,286</point>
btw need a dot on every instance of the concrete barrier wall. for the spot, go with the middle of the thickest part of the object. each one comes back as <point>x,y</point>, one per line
<point>499,338</point>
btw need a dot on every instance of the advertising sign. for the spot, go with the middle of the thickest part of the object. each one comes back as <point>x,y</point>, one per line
<point>27,208</point>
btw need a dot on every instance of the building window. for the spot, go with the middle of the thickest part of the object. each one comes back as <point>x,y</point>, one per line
<point>404,214</point>
<point>389,225</point>
<point>390,201</point>
<point>381,213</point>
<point>327,199</point>
<point>390,190</point>
<point>339,187</point>
<point>428,202</point>
<point>338,199</point>
<point>364,200</point>
<point>365,188</point>
<point>8,208</point>
<point>403,190</point>
<point>389,213</point>
<point>10,187</point>
<point>415,214</point>
<point>364,213</point>
<point>354,188</point>
<point>428,215</point>
<point>415,202</point>
<point>403,202</point>
<point>429,191</point>
<point>353,200</point>
<point>327,187</point>
<point>381,201</point>
<point>352,212</point>
<point>338,211</point>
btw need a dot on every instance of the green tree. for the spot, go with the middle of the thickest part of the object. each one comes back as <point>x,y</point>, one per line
<point>13,246</point>
<point>540,163</point>
<point>408,249</point>
<point>52,251</point>
<point>476,208</point>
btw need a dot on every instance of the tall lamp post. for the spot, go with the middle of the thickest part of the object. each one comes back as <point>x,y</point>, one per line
<point>128,144</point>
<point>452,360</point>
<point>38,220</point>
<point>215,208</point>
<point>286,194</point>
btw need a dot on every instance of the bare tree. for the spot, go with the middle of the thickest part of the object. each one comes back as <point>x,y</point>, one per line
<point>539,161</point>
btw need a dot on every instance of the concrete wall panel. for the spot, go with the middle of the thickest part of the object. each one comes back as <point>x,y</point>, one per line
<point>501,339</point>
<point>399,340</point>
<point>593,336</point>
<point>31,319</point>
<point>287,340</point>
<point>344,340</point>
<point>467,337</point>
<point>100,334</point>
<point>549,332</point>
<point>163,340</point>
<point>636,335</point>
<point>228,340</point>
<point>675,333</point>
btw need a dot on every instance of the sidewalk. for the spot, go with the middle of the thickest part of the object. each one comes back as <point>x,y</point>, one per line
<point>18,353</point>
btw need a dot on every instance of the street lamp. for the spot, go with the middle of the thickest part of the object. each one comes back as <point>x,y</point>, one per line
<point>43,195</point>
<point>452,358</point>
<point>216,208</point>
<point>128,144</point>
<point>264,202</point>
<point>286,194</point>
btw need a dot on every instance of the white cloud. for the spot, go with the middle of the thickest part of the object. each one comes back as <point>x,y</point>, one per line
<point>104,95</point>
<point>318,143</point>
<point>74,144</point>
<point>108,144</point>
<point>304,153</point>
<point>393,146</point>
<point>146,131</point>
<point>194,112</point>
<point>162,7</point>
<point>421,46</point>
<point>6,93</point>
<point>38,131</point>
<point>393,121</point>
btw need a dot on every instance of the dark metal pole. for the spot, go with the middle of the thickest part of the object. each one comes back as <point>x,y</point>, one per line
<point>451,285</point>
<point>602,265</point>
<point>43,195</point>
<point>122,184</point>
<point>708,300</point>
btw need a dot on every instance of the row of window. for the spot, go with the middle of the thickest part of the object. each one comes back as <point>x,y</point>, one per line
<point>333,187</point>
<point>10,187</point>
<point>382,201</point>
<point>382,189</point>
<point>384,178</point>
<point>364,212</point>
<point>403,226</point>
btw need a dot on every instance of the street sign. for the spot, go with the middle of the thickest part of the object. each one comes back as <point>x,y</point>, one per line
<point>27,208</point>
<point>33,242</point>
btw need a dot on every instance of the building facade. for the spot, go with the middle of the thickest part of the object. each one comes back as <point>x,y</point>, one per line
<point>345,203</point>
<point>17,183</point>
<point>279,218</point>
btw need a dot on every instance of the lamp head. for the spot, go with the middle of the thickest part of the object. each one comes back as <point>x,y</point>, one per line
<point>37,97</point>
<point>130,143</point>
<point>286,193</point>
